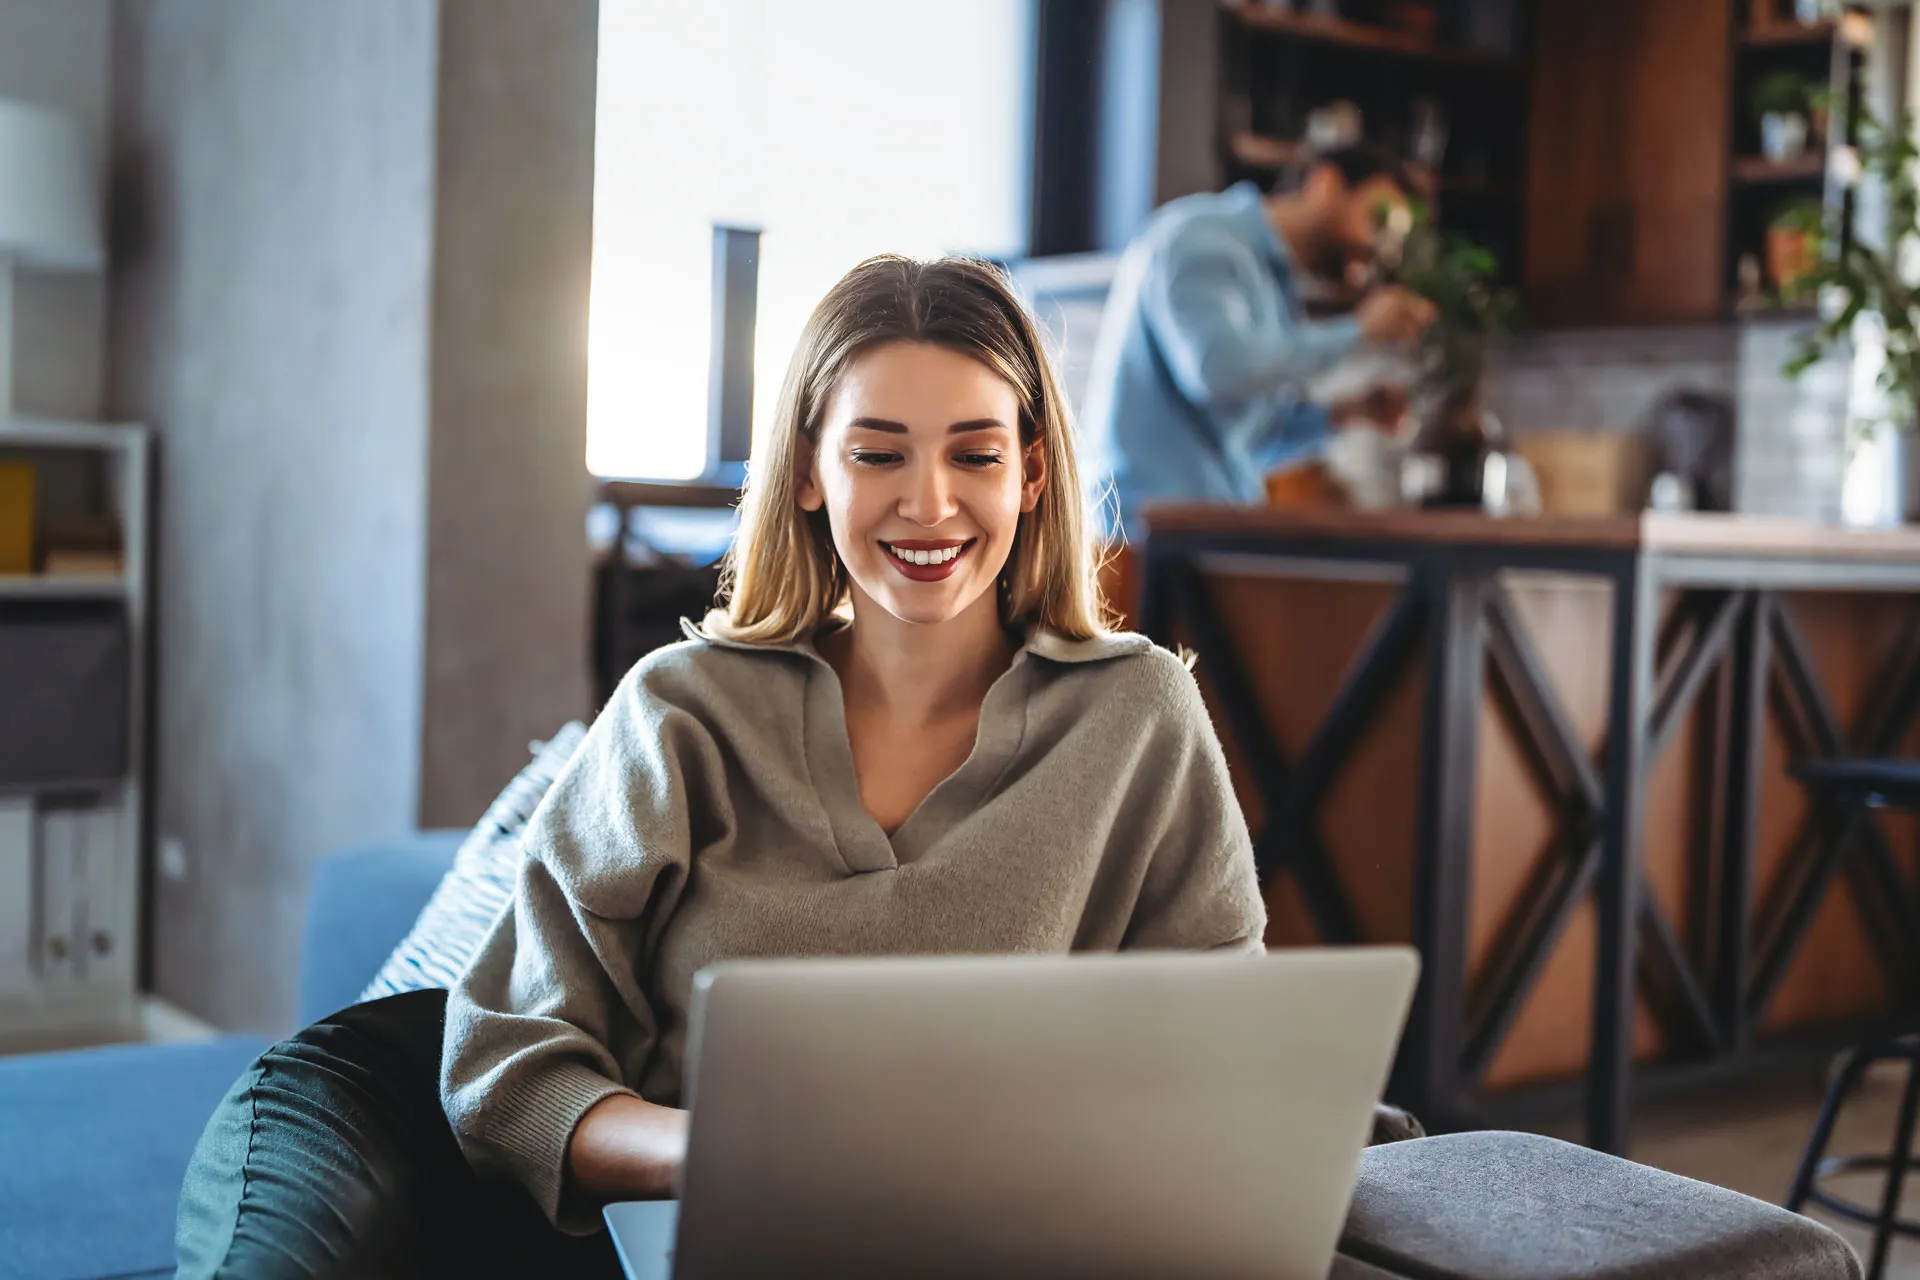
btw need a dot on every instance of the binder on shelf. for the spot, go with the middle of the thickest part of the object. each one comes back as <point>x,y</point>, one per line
<point>16,517</point>
<point>16,893</point>
<point>116,911</point>
<point>56,896</point>
<point>103,880</point>
<point>79,847</point>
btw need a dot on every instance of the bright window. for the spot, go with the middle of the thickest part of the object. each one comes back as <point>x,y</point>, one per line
<point>841,128</point>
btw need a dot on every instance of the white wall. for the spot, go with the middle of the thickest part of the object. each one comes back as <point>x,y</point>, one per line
<point>352,296</point>
<point>271,316</point>
<point>56,53</point>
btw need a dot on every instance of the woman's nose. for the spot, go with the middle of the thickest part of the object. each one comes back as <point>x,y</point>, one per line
<point>928,499</point>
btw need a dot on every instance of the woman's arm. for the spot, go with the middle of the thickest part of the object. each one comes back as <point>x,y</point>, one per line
<point>625,1148</point>
<point>551,1020</point>
<point>1200,890</point>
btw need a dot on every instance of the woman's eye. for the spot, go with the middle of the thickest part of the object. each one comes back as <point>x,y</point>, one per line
<point>979,459</point>
<point>874,457</point>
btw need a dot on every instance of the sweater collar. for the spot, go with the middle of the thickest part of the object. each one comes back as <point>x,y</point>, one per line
<point>1042,642</point>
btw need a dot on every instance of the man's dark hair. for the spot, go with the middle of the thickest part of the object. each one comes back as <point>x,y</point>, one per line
<point>1358,163</point>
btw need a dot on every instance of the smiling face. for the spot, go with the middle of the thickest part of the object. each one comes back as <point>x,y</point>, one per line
<point>919,467</point>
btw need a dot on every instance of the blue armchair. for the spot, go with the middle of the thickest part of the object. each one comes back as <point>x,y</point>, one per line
<point>94,1142</point>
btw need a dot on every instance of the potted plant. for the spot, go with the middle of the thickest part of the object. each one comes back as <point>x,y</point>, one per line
<point>1461,279</point>
<point>1793,247</point>
<point>1782,104</point>
<point>1869,302</point>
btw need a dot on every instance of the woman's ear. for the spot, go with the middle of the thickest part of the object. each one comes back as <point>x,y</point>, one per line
<point>811,496</point>
<point>1033,477</point>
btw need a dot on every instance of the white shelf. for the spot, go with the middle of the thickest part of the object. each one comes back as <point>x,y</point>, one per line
<point>96,831</point>
<point>66,586</point>
<point>54,433</point>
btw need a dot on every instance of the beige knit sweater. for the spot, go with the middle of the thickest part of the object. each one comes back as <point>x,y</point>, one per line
<point>713,812</point>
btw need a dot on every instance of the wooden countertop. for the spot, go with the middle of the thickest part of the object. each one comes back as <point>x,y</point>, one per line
<point>1688,534</point>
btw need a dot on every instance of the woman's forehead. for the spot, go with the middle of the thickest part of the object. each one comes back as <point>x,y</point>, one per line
<point>921,385</point>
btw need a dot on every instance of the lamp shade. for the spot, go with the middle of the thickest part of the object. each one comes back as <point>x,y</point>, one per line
<point>49,206</point>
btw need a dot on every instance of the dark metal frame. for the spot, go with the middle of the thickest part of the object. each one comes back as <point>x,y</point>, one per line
<point>736,294</point>
<point>1728,636</point>
<point>1816,1165</point>
<point>1066,125</point>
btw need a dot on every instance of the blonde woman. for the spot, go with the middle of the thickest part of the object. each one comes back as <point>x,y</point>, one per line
<point>907,731</point>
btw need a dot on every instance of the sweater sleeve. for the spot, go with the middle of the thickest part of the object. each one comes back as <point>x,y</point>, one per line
<point>551,1019</point>
<point>1200,890</point>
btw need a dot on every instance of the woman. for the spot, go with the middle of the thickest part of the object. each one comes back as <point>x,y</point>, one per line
<point>907,732</point>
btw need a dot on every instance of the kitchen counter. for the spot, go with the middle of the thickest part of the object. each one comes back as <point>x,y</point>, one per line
<point>1553,754</point>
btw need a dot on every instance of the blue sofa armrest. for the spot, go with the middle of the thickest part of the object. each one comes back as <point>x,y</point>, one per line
<point>362,903</point>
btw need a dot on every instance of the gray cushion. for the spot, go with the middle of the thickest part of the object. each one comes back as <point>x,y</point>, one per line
<point>1514,1206</point>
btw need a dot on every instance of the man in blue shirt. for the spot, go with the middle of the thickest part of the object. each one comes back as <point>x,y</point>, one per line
<point>1195,391</point>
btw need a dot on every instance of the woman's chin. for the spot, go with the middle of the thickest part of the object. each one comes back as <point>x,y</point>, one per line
<point>922,612</point>
<point>927,604</point>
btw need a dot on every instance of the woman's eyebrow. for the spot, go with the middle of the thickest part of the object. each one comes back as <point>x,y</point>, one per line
<point>891,427</point>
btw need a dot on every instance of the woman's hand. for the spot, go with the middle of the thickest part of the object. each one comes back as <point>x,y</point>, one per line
<point>627,1149</point>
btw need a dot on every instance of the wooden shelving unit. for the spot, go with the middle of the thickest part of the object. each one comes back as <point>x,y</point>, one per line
<point>1279,65</point>
<point>1787,35</point>
<point>1261,151</point>
<point>1766,40</point>
<point>1325,29</point>
<point>1478,190</point>
<point>14,586</point>
<point>1759,171</point>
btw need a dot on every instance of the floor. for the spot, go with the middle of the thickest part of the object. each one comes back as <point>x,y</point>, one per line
<point>1749,1138</point>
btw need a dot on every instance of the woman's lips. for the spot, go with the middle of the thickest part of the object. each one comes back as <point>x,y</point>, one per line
<point>943,557</point>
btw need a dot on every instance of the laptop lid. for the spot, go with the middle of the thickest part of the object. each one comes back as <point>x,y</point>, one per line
<point>1148,1114</point>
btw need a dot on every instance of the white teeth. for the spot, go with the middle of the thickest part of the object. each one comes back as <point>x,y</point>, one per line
<point>925,557</point>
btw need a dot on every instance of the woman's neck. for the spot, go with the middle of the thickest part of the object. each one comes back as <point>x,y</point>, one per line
<point>915,673</point>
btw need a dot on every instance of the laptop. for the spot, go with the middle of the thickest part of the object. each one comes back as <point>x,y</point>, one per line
<point>1146,1114</point>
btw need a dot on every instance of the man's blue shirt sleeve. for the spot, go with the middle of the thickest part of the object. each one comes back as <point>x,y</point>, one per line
<point>1228,332</point>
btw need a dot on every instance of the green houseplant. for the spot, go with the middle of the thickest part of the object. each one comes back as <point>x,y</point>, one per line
<point>1860,278</point>
<point>1867,293</point>
<point>1784,93</point>
<point>1782,104</point>
<point>1462,280</point>
<point>1793,246</point>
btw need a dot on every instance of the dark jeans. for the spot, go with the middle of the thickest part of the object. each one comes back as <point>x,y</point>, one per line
<point>330,1157</point>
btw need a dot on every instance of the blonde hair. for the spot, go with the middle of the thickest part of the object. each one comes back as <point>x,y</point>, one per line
<point>783,578</point>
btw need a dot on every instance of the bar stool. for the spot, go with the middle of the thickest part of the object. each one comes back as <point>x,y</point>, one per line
<point>1870,784</point>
